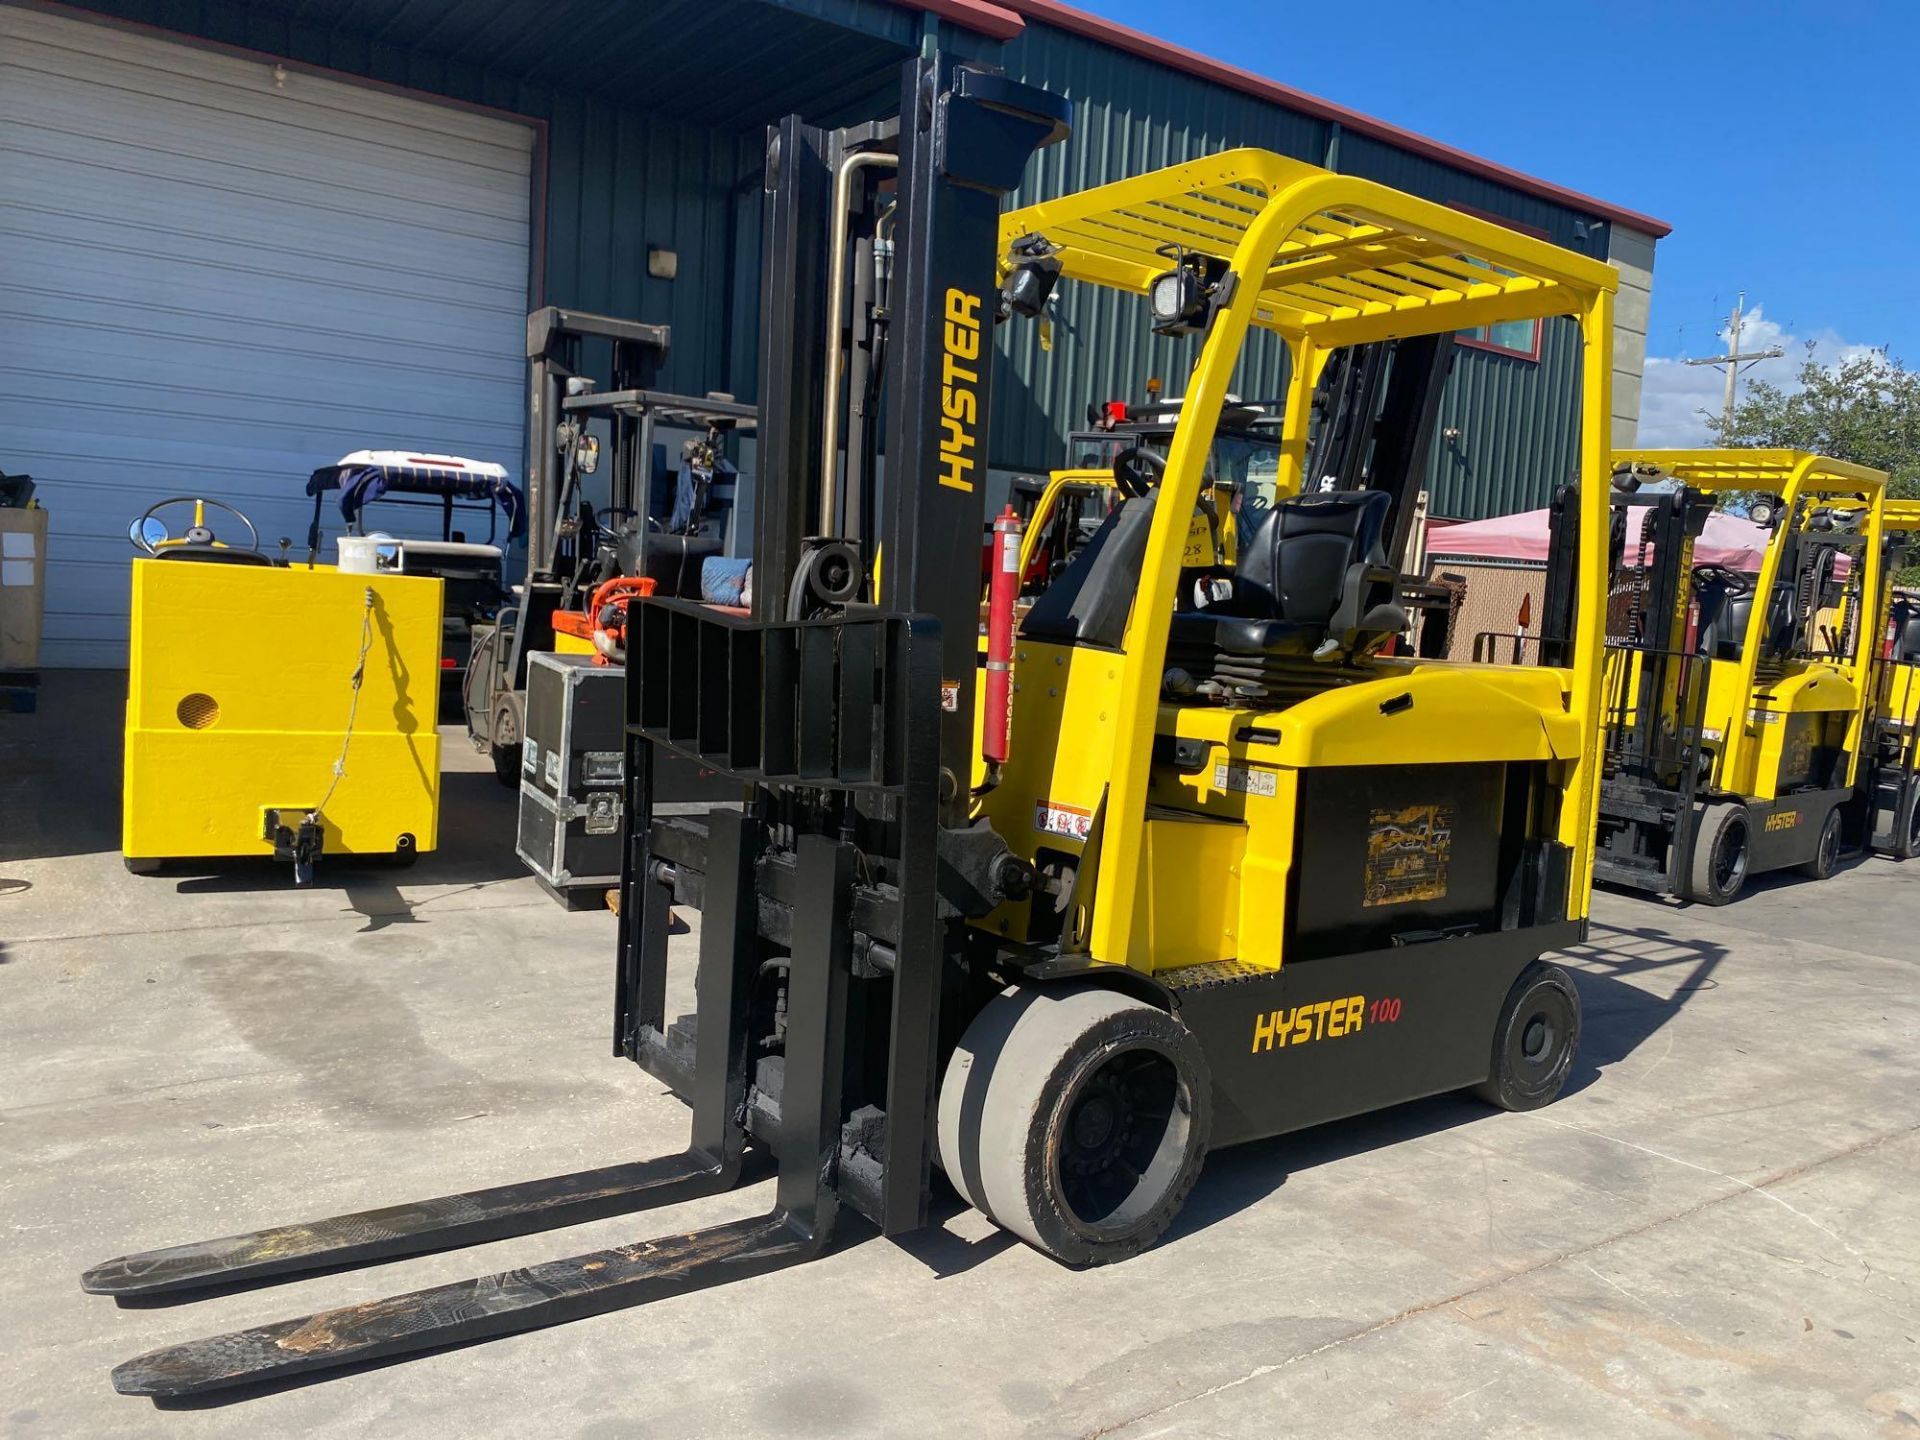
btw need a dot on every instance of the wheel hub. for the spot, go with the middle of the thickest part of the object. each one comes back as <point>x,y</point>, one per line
<point>1537,1039</point>
<point>1121,1140</point>
<point>1097,1128</point>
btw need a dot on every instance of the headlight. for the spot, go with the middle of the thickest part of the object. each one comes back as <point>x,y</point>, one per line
<point>1177,305</point>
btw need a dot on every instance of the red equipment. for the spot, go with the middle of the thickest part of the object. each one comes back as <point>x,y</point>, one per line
<point>1003,589</point>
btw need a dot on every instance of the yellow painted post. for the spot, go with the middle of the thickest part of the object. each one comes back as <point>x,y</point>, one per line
<point>1585,700</point>
<point>1136,705</point>
<point>1305,362</point>
<point>1859,666</point>
<point>1738,742</point>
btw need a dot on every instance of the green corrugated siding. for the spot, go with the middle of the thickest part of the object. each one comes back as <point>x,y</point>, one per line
<point>620,179</point>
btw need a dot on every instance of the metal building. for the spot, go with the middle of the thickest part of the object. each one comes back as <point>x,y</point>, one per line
<point>239,238</point>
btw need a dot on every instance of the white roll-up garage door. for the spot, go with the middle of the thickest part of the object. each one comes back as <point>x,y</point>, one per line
<point>216,275</point>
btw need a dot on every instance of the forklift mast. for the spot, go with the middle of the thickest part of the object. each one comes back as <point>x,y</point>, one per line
<point>846,714</point>
<point>557,357</point>
<point>1374,412</point>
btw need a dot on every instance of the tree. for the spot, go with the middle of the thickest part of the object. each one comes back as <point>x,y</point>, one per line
<point>1865,409</point>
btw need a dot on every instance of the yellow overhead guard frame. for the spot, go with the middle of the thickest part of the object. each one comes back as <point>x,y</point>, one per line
<point>1324,261</point>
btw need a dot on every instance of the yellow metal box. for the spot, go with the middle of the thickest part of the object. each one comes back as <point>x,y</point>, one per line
<point>241,699</point>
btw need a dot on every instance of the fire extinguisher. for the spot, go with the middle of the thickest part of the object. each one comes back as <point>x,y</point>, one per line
<point>1003,589</point>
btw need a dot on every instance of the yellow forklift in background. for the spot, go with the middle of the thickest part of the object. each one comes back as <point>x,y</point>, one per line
<point>1233,871</point>
<point>1736,710</point>
<point>1893,749</point>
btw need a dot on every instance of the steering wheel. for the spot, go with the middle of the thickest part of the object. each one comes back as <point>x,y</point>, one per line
<point>1725,578</point>
<point>1136,470</point>
<point>198,537</point>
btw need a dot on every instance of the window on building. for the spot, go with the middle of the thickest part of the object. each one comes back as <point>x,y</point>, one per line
<point>1519,338</point>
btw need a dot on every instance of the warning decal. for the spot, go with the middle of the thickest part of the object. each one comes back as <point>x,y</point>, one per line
<point>1247,779</point>
<point>1051,818</point>
<point>1407,854</point>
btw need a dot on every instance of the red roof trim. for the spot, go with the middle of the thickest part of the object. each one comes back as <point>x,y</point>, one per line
<point>988,19</point>
<point>1080,22</point>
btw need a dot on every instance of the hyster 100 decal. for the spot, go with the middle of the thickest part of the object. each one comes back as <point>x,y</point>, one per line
<point>959,391</point>
<point>1320,1020</point>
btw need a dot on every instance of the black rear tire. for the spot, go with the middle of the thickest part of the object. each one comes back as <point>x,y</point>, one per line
<point>507,733</point>
<point>1906,823</point>
<point>1534,1040</point>
<point>1076,1118</point>
<point>1826,853</point>
<point>1722,853</point>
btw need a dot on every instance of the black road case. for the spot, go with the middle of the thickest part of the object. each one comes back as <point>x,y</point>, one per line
<point>571,768</point>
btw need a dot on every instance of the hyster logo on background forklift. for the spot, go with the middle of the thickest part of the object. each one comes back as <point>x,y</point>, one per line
<point>1066,968</point>
<point>1736,704</point>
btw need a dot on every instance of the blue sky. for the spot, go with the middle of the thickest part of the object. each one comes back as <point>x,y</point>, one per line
<point>1780,140</point>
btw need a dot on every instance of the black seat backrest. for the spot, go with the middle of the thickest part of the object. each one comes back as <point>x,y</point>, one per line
<point>1294,566</point>
<point>1783,623</point>
<point>1906,634</point>
<point>1089,603</point>
<point>1725,632</point>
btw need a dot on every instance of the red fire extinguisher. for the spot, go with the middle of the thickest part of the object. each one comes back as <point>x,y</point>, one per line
<point>1003,589</point>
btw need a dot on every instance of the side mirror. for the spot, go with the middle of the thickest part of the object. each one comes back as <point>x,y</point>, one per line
<point>148,533</point>
<point>588,455</point>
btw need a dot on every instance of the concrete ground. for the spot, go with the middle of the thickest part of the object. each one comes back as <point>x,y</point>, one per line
<point>1716,1231</point>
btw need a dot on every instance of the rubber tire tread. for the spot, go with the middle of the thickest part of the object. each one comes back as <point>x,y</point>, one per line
<point>1706,841</point>
<point>1906,823</point>
<point>1003,1090</point>
<point>1817,868</point>
<point>1499,1089</point>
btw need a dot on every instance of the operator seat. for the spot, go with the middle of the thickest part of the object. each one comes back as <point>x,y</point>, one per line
<point>1906,634</point>
<point>1783,623</point>
<point>1311,579</point>
<point>1721,638</point>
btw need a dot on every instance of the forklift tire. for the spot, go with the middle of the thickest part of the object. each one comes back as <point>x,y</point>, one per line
<point>1826,855</point>
<point>1534,1041</point>
<point>1077,1118</point>
<point>1722,850</point>
<point>504,737</point>
<point>142,867</point>
<point>506,764</point>
<point>1906,823</point>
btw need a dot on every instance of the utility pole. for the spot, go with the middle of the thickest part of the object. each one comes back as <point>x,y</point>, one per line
<point>1734,360</point>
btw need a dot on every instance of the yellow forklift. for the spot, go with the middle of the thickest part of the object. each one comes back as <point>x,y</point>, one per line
<point>1736,704</point>
<point>1893,781</point>
<point>1061,975</point>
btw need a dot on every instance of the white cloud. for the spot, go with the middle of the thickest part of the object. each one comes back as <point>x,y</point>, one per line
<point>1673,393</point>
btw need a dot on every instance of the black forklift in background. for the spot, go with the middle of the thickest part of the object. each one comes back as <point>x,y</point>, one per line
<point>573,544</point>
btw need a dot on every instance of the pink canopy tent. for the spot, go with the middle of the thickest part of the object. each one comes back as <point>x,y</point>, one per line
<point>1728,540</point>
